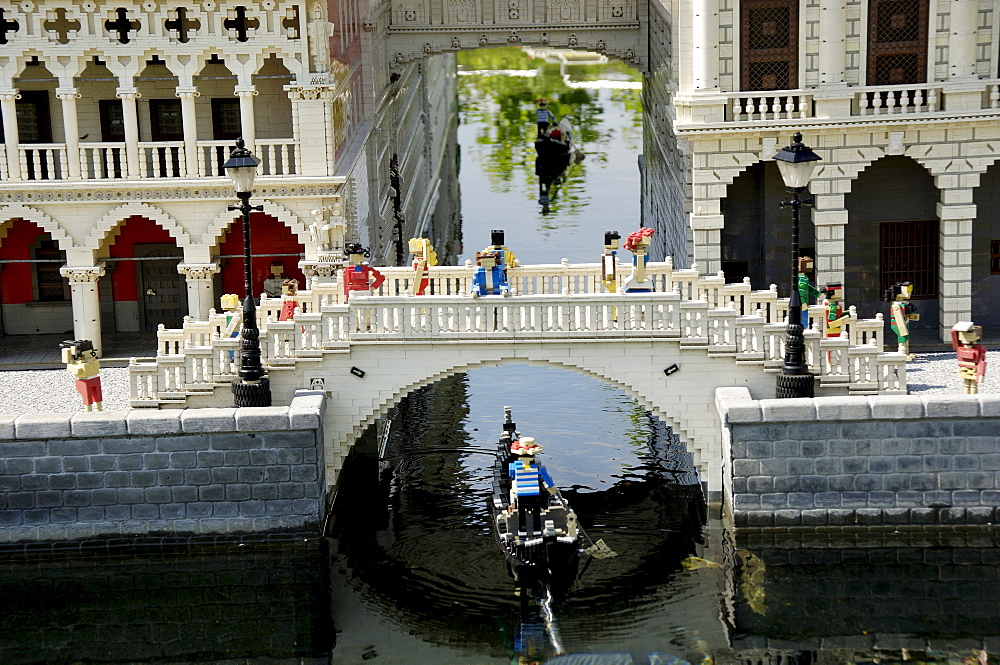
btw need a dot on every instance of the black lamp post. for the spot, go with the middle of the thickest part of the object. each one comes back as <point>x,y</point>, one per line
<point>796,163</point>
<point>252,388</point>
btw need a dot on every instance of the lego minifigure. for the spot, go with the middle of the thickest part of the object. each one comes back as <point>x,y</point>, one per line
<point>529,479</point>
<point>81,361</point>
<point>901,312</point>
<point>358,275</point>
<point>971,356</point>
<point>638,242</point>
<point>289,289</point>
<point>490,278</point>
<point>807,291</point>
<point>609,259</point>
<point>835,317</point>
<point>234,316</point>
<point>424,257</point>
<point>507,258</point>
<point>544,117</point>
<point>272,285</point>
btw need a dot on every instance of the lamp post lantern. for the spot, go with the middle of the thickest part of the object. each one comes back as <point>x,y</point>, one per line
<point>252,388</point>
<point>796,164</point>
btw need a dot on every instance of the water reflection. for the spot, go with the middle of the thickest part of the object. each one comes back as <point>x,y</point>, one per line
<point>211,604</point>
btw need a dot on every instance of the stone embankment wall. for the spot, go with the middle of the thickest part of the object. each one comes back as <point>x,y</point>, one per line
<point>860,460</point>
<point>148,473</point>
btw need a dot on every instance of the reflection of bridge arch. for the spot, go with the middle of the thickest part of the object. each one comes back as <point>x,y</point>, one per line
<point>419,28</point>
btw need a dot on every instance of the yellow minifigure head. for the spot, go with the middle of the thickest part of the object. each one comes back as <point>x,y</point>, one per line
<point>422,248</point>
<point>968,332</point>
<point>355,253</point>
<point>230,301</point>
<point>276,269</point>
<point>611,239</point>
<point>834,291</point>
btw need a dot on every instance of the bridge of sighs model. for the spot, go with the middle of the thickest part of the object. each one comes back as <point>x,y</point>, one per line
<point>547,304</point>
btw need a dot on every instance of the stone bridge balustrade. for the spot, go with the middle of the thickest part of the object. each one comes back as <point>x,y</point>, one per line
<point>557,302</point>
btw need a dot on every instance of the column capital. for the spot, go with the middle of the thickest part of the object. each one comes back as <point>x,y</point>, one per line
<point>187,91</point>
<point>128,93</point>
<point>9,94</point>
<point>321,268</point>
<point>246,91</point>
<point>196,271</point>
<point>68,92</point>
<point>82,274</point>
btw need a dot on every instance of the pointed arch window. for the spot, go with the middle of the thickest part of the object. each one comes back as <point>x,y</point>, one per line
<point>769,39</point>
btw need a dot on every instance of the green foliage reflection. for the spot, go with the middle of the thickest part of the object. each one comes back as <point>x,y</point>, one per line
<point>498,91</point>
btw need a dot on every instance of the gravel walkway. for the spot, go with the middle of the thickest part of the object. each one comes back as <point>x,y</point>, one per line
<point>53,390</point>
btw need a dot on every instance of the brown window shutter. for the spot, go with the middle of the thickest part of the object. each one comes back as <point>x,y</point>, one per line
<point>769,44</point>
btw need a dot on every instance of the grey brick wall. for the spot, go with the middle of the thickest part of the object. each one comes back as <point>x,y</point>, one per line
<point>861,460</point>
<point>144,473</point>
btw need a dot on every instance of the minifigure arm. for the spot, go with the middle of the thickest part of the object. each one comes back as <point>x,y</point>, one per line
<point>379,278</point>
<point>546,478</point>
<point>900,319</point>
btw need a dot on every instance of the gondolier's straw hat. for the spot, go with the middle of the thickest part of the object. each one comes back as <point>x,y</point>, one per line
<point>529,447</point>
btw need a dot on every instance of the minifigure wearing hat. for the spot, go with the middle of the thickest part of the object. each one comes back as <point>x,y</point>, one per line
<point>358,275</point>
<point>529,478</point>
<point>544,117</point>
<point>971,356</point>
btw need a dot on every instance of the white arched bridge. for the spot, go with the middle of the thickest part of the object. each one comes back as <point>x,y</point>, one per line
<point>670,349</point>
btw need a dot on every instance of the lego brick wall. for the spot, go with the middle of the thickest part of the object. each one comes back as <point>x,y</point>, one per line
<point>145,473</point>
<point>861,460</point>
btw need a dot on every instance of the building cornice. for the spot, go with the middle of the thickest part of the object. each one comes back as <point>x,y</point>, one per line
<point>62,191</point>
<point>755,127</point>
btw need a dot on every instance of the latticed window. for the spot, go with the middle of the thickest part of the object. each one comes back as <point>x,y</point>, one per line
<point>51,284</point>
<point>995,257</point>
<point>769,44</point>
<point>909,253</point>
<point>897,42</point>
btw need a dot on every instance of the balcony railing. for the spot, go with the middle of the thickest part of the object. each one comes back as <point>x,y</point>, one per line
<point>157,159</point>
<point>832,103</point>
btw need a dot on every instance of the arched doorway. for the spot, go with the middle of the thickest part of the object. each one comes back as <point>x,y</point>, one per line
<point>892,236</point>
<point>986,250</point>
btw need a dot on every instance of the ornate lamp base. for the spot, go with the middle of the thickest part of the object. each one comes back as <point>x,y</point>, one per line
<point>795,385</point>
<point>252,393</point>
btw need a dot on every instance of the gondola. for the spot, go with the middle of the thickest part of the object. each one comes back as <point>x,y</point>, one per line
<point>546,544</point>
<point>554,153</point>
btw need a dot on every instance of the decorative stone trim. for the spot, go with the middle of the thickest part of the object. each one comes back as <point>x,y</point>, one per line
<point>82,275</point>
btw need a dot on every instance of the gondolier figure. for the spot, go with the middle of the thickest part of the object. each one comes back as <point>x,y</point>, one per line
<point>528,479</point>
<point>544,116</point>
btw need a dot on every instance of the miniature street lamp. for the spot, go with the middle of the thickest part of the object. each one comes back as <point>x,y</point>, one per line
<point>252,388</point>
<point>796,163</point>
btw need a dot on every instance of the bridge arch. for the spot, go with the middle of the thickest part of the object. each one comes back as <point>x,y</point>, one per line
<point>684,400</point>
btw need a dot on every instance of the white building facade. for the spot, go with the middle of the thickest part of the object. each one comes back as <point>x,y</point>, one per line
<point>117,118</point>
<point>900,98</point>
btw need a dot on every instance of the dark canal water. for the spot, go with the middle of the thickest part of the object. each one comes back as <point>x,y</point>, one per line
<point>410,572</point>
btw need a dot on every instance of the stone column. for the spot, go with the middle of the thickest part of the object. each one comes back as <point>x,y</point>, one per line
<point>962,41</point>
<point>68,95</point>
<point>956,212</point>
<point>246,93</point>
<point>8,108</point>
<point>130,117</point>
<point>705,20</point>
<point>832,35</point>
<point>830,218</point>
<point>707,231</point>
<point>201,296</point>
<point>187,96</point>
<point>86,302</point>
